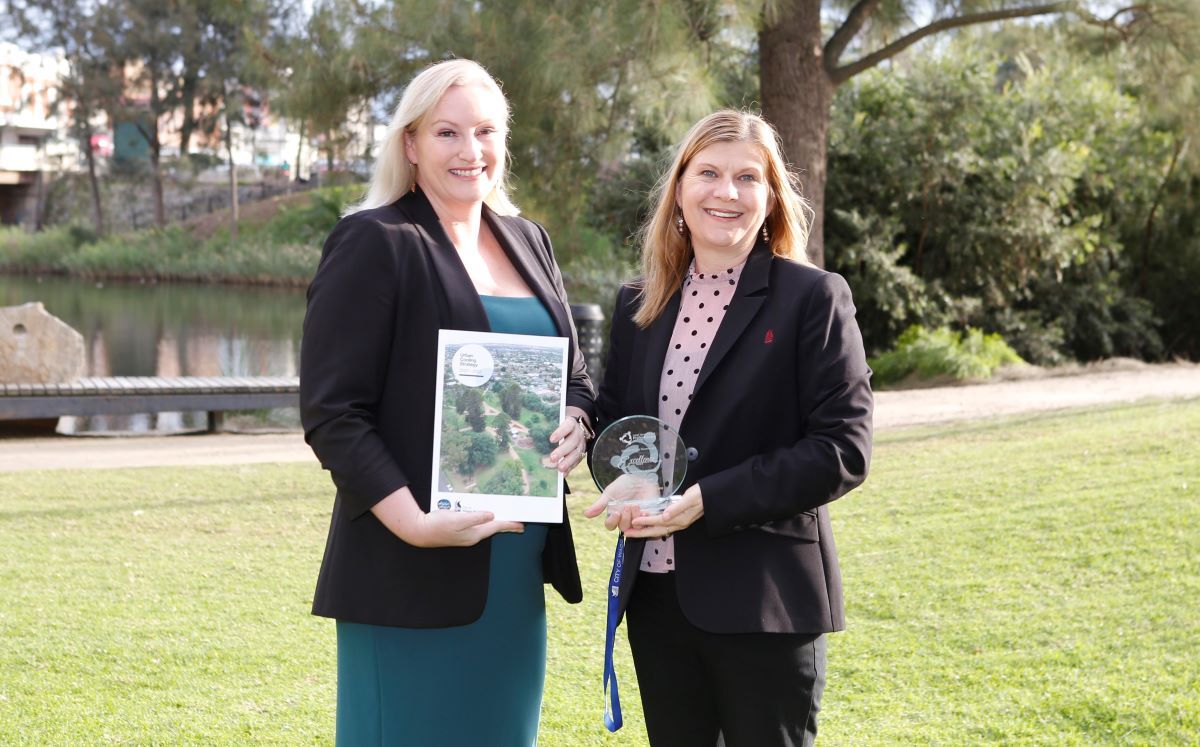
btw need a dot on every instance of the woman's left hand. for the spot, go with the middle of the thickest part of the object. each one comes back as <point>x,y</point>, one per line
<point>679,516</point>
<point>572,442</point>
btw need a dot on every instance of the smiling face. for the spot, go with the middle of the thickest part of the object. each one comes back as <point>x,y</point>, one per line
<point>723,195</point>
<point>459,148</point>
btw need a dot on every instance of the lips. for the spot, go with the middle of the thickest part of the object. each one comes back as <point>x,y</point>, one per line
<point>476,171</point>
<point>726,214</point>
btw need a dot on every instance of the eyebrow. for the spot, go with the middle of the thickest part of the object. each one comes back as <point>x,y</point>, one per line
<point>448,123</point>
<point>745,167</point>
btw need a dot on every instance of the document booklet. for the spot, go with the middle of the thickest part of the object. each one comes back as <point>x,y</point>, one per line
<point>499,397</point>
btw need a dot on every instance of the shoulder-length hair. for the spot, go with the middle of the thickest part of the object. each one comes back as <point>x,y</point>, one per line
<point>393,175</point>
<point>666,254</point>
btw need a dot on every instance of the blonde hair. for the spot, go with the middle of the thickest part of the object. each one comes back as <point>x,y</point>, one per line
<point>393,175</point>
<point>666,254</point>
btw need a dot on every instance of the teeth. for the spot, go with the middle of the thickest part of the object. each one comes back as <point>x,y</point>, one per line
<point>722,214</point>
<point>467,172</point>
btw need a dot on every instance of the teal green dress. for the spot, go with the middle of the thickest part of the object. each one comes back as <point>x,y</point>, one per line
<point>471,685</point>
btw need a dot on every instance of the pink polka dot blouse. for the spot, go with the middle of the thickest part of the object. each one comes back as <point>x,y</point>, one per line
<point>705,298</point>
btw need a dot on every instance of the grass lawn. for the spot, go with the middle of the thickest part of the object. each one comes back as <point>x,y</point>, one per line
<point>1030,581</point>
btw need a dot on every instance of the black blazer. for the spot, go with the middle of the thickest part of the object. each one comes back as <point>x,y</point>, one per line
<point>779,426</point>
<point>388,280</point>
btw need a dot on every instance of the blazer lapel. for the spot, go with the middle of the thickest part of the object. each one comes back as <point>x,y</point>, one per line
<point>516,244</point>
<point>745,305</point>
<point>655,352</point>
<point>463,309</point>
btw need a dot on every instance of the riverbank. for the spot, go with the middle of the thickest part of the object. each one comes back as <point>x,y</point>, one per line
<point>278,244</point>
<point>894,410</point>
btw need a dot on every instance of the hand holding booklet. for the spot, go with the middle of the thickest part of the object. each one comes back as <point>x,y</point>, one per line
<point>499,396</point>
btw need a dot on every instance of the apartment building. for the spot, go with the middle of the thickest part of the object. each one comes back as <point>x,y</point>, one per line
<point>30,143</point>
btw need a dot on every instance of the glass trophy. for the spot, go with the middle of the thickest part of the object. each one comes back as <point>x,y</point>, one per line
<point>641,461</point>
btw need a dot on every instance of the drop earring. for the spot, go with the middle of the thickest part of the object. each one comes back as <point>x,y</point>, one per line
<point>765,234</point>
<point>680,226</point>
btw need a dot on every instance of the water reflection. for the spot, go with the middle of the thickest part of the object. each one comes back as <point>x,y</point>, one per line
<point>172,330</point>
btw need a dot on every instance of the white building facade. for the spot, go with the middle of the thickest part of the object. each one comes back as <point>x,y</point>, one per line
<point>33,133</point>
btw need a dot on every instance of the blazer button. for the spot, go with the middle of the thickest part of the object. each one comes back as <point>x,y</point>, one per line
<point>692,454</point>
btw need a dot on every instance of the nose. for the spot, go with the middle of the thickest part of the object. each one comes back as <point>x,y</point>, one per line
<point>725,189</point>
<point>472,149</point>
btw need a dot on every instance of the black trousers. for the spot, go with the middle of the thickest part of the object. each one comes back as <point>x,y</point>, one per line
<point>751,689</point>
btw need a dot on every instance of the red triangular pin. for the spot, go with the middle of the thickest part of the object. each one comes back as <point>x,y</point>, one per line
<point>770,338</point>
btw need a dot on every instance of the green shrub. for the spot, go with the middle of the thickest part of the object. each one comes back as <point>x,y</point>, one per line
<point>310,223</point>
<point>283,249</point>
<point>44,251</point>
<point>1024,195</point>
<point>150,253</point>
<point>931,355</point>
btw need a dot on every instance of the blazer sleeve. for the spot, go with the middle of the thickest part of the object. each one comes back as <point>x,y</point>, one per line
<point>346,344</point>
<point>834,453</point>
<point>579,385</point>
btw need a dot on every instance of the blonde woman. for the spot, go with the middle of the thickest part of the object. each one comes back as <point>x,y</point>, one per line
<point>735,339</point>
<point>441,623</point>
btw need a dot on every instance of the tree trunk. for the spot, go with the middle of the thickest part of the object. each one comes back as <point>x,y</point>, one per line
<point>160,213</point>
<point>797,95</point>
<point>299,150</point>
<point>39,198</point>
<point>233,180</point>
<point>188,104</point>
<point>93,183</point>
<point>329,152</point>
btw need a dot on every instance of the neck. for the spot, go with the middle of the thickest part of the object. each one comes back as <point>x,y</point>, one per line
<point>461,222</point>
<point>464,233</point>
<point>711,260</point>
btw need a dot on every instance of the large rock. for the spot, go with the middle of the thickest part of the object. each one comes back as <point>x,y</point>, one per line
<point>37,347</point>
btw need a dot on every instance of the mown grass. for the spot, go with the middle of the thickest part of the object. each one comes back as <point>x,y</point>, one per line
<point>1028,581</point>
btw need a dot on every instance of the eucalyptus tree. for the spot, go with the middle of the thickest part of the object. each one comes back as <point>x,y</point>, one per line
<point>581,78</point>
<point>1157,59</point>
<point>146,42</point>
<point>89,88</point>
<point>234,38</point>
<point>327,65</point>
<point>807,48</point>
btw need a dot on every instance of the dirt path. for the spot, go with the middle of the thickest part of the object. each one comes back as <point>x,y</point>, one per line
<point>1111,383</point>
<point>1126,381</point>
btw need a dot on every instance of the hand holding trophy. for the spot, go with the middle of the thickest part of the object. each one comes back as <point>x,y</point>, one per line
<point>638,461</point>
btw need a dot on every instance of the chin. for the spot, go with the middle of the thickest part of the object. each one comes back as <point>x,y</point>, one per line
<point>726,240</point>
<point>472,195</point>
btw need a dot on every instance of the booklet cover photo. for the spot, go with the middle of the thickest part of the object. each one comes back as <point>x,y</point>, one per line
<point>499,397</point>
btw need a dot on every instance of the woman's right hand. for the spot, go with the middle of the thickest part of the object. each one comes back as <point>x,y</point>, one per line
<point>459,528</point>
<point>621,518</point>
<point>624,488</point>
<point>402,516</point>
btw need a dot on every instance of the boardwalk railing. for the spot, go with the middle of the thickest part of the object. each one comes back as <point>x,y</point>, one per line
<point>126,395</point>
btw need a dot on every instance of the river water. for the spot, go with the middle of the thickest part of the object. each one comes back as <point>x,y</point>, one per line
<point>173,329</point>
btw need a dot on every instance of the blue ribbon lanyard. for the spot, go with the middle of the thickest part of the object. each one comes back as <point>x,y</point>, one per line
<point>612,701</point>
